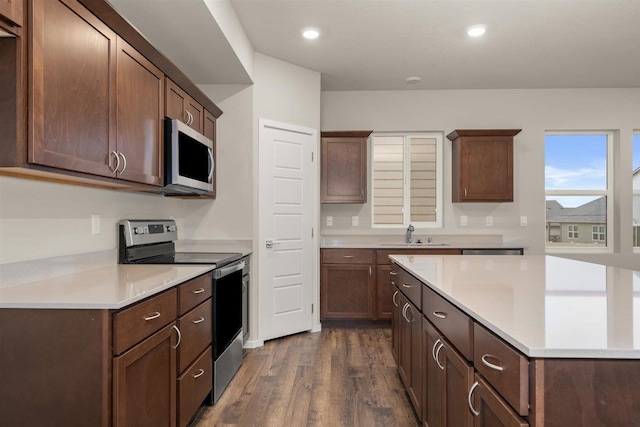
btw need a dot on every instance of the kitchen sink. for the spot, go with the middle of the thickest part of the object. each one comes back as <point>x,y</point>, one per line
<point>416,244</point>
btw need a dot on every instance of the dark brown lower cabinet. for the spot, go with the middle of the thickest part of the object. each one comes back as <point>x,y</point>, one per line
<point>410,357</point>
<point>433,378</point>
<point>384,287</point>
<point>458,381</point>
<point>493,411</point>
<point>395,324</point>
<point>144,382</point>
<point>347,291</point>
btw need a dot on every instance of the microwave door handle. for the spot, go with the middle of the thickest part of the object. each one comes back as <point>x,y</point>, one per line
<point>211,166</point>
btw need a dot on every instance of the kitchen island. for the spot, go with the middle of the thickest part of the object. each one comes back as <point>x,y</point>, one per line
<point>529,340</point>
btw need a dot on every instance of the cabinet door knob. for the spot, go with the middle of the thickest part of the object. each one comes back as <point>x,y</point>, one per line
<point>433,349</point>
<point>465,192</point>
<point>470,398</point>
<point>393,298</point>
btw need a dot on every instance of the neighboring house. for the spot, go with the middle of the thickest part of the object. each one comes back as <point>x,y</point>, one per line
<point>636,207</point>
<point>583,224</point>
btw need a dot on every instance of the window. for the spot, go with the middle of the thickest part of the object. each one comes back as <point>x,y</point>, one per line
<point>598,233</point>
<point>572,231</point>
<point>406,180</point>
<point>636,190</point>
<point>578,189</point>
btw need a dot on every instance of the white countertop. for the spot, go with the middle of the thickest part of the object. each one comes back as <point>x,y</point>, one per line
<point>110,287</point>
<point>393,241</point>
<point>542,305</point>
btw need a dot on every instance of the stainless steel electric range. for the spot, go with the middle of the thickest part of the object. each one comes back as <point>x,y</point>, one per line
<point>153,242</point>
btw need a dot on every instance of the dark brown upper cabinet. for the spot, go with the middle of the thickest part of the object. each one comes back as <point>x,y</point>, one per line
<point>12,11</point>
<point>179,105</point>
<point>344,167</point>
<point>482,165</point>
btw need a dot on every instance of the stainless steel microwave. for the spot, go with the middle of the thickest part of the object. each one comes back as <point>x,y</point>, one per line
<point>188,160</point>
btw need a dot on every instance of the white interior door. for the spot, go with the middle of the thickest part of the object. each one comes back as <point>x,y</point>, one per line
<point>288,211</point>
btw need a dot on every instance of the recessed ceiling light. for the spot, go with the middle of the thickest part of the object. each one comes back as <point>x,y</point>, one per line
<point>476,30</point>
<point>310,33</point>
<point>413,80</point>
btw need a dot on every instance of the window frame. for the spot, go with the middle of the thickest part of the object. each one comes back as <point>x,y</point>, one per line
<point>406,165</point>
<point>608,193</point>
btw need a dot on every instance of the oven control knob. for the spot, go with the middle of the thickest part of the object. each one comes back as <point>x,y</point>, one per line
<point>171,228</point>
<point>139,230</point>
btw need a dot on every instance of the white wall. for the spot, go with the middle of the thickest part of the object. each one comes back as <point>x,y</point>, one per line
<point>41,219</point>
<point>230,215</point>
<point>533,111</point>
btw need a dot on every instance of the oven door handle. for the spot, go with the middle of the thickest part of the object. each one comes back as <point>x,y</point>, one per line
<point>225,271</point>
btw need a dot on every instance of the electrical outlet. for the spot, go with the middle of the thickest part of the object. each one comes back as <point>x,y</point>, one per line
<point>329,221</point>
<point>463,220</point>
<point>489,221</point>
<point>95,224</point>
<point>355,221</point>
<point>523,221</point>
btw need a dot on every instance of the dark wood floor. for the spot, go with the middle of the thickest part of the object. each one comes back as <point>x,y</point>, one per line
<point>342,376</point>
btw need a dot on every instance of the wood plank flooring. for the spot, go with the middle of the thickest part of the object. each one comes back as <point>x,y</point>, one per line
<point>342,376</point>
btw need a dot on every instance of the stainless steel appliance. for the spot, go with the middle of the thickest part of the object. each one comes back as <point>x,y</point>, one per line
<point>188,159</point>
<point>152,242</point>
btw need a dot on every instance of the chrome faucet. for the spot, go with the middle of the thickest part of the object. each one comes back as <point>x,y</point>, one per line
<point>409,231</point>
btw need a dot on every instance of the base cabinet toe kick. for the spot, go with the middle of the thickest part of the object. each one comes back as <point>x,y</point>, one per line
<point>459,373</point>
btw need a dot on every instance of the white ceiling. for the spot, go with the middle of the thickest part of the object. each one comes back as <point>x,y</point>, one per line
<point>376,44</point>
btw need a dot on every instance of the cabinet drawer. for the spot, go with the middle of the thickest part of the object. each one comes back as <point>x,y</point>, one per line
<point>133,324</point>
<point>347,256</point>
<point>196,333</point>
<point>411,287</point>
<point>193,387</point>
<point>456,326</point>
<point>194,292</point>
<point>503,367</point>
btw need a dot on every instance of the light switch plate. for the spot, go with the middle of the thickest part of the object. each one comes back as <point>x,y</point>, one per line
<point>523,221</point>
<point>95,224</point>
<point>489,221</point>
<point>355,221</point>
<point>329,221</point>
<point>463,220</point>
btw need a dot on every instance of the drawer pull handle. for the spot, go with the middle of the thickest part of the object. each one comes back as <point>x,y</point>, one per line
<point>198,291</point>
<point>152,316</point>
<point>179,337</point>
<point>393,298</point>
<point>491,365</point>
<point>406,285</point>
<point>199,373</point>
<point>469,399</point>
<point>440,314</point>
<point>393,273</point>
<point>347,256</point>
<point>200,320</point>
<point>438,356</point>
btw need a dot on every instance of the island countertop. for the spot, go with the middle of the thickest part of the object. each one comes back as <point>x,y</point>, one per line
<point>545,306</point>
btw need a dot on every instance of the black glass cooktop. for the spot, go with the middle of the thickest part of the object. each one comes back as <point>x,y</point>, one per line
<point>218,259</point>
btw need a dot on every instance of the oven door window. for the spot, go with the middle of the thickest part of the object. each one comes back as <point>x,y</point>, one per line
<point>227,307</point>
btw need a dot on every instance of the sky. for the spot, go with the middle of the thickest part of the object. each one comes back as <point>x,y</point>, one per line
<point>578,162</point>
